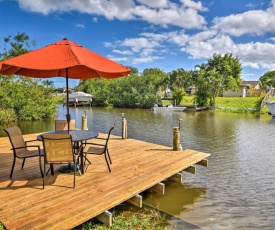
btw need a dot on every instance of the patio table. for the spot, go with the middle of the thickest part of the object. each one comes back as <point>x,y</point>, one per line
<point>77,137</point>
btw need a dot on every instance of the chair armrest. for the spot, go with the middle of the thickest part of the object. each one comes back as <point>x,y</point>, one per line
<point>33,146</point>
<point>30,146</point>
<point>30,141</point>
<point>25,147</point>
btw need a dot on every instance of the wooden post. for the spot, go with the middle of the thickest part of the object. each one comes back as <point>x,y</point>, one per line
<point>176,139</point>
<point>84,121</point>
<point>159,188</point>
<point>136,200</point>
<point>177,177</point>
<point>106,218</point>
<point>191,169</point>
<point>124,127</point>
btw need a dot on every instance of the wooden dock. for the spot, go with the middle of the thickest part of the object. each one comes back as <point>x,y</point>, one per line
<point>137,166</point>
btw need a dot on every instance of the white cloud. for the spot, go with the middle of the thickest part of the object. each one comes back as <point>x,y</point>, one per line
<point>119,59</point>
<point>146,59</point>
<point>80,26</point>
<point>193,5</point>
<point>109,44</point>
<point>200,48</point>
<point>255,55</point>
<point>154,3</point>
<point>94,19</point>
<point>250,5</point>
<point>176,15</point>
<point>224,36</point>
<point>138,44</point>
<point>163,12</point>
<point>202,45</point>
<point>125,52</point>
<point>256,22</point>
<point>110,9</point>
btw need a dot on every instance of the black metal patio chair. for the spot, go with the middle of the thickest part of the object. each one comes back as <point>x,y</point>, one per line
<point>20,148</point>
<point>58,149</point>
<point>99,149</point>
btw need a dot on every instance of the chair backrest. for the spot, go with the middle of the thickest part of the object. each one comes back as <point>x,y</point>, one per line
<point>63,125</point>
<point>108,137</point>
<point>16,138</point>
<point>58,148</point>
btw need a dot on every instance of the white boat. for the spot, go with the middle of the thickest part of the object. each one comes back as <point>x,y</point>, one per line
<point>271,106</point>
<point>168,108</point>
<point>79,98</point>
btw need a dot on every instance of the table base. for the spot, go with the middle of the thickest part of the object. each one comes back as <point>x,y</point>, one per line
<point>69,168</point>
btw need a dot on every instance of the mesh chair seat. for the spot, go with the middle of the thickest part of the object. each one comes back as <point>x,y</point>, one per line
<point>93,150</point>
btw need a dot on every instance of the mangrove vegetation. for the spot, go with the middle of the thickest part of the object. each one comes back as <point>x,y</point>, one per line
<point>23,98</point>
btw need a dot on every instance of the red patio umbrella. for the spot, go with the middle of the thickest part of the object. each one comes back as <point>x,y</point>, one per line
<point>63,59</point>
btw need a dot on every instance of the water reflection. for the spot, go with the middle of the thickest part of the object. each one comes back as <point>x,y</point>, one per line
<point>174,202</point>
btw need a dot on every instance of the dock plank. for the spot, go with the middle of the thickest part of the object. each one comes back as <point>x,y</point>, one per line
<point>137,166</point>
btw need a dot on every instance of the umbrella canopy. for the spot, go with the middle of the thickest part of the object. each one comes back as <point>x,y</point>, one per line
<point>63,59</point>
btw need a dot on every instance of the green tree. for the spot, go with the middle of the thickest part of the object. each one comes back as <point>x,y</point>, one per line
<point>14,46</point>
<point>48,83</point>
<point>268,79</point>
<point>135,91</point>
<point>134,70</point>
<point>157,79</point>
<point>219,74</point>
<point>180,78</point>
<point>178,94</point>
<point>99,88</point>
<point>15,103</point>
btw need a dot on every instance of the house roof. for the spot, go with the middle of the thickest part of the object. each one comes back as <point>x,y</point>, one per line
<point>248,83</point>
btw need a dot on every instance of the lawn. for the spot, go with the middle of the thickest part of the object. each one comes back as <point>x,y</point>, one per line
<point>233,104</point>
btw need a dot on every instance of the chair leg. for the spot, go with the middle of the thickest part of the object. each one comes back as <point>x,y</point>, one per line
<point>109,156</point>
<point>74,172</point>
<point>12,167</point>
<point>107,161</point>
<point>23,163</point>
<point>86,159</point>
<point>40,166</point>
<point>51,168</point>
<point>44,174</point>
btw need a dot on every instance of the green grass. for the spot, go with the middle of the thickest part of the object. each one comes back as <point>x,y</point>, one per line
<point>148,219</point>
<point>233,104</point>
<point>2,227</point>
<point>239,104</point>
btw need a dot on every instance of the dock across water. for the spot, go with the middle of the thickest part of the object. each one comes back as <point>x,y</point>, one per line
<point>137,166</point>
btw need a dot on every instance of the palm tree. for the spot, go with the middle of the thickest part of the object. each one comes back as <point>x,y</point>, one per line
<point>48,83</point>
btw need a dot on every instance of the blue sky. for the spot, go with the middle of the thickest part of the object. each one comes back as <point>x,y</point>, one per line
<point>167,34</point>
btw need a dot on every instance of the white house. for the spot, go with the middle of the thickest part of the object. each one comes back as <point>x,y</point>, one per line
<point>246,89</point>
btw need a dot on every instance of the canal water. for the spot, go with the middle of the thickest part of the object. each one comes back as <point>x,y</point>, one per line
<point>236,191</point>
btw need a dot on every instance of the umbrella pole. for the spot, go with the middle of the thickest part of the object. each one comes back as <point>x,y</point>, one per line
<point>68,116</point>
